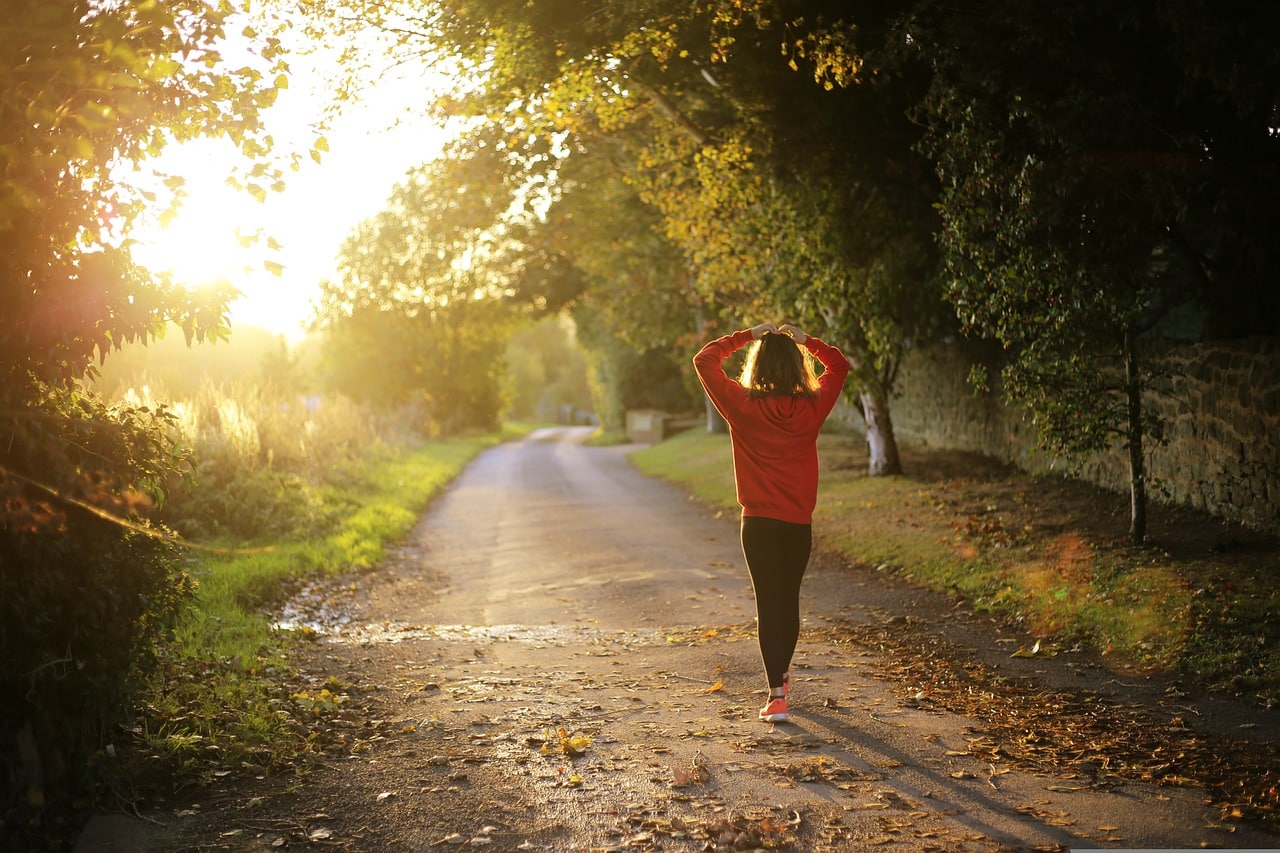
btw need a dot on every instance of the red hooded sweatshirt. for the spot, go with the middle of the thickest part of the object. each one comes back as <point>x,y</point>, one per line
<point>775,450</point>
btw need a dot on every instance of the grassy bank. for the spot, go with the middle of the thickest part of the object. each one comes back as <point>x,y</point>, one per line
<point>222,700</point>
<point>1200,601</point>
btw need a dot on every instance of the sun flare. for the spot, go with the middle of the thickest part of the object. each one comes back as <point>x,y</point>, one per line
<point>203,241</point>
<point>277,250</point>
<point>223,234</point>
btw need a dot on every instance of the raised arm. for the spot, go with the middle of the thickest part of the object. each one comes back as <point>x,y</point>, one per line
<point>835,369</point>
<point>709,360</point>
<point>709,364</point>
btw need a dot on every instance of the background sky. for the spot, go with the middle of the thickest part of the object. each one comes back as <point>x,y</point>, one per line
<point>371,146</point>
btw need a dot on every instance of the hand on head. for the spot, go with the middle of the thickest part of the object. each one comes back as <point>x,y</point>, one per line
<point>796,335</point>
<point>758,332</point>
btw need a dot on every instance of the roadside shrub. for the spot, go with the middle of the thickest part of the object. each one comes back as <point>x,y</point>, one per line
<point>80,611</point>
<point>86,589</point>
<point>261,459</point>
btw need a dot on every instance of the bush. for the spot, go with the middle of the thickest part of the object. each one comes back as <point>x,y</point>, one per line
<point>87,588</point>
<point>262,460</point>
<point>90,591</point>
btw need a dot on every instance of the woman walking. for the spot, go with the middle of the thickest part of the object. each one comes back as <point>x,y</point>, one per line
<point>774,411</point>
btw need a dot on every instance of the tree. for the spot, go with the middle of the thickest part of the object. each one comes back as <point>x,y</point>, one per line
<point>637,310</point>
<point>814,198</point>
<point>422,311</point>
<point>89,88</point>
<point>746,159</point>
<point>86,89</point>
<point>1084,200</point>
<point>547,372</point>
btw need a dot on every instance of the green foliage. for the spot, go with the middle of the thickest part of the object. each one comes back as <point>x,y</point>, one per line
<point>261,459</point>
<point>86,588</point>
<point>637,313</point>
<point>622,376</point>
<point>1111,194</point>
<point>445,365</point>
<point>635,281</point>
<point>86,90</point>
<point>546,372</point>
<point>802,158</point>
<point>82,608</point>
<point>778,218</point>
<point>421,313</point>
<point>1081,205</point>
<point>695,172</point>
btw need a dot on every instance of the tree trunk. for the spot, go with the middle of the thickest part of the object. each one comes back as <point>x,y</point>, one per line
<point>1137,464</point>
<point>715,423</point>
<point>881,443</point>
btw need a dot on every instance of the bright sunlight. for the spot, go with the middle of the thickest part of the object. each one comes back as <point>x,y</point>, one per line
<point>278,250</point>
<point>201,244</point>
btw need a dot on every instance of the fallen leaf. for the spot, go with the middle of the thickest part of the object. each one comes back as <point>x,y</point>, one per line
<point>452,838</point>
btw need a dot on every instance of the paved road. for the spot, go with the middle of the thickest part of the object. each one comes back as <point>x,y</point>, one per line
<point>561,657</point>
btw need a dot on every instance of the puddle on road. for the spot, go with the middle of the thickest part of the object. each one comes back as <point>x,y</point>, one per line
<point>334,628</point>
<point>321,610</point>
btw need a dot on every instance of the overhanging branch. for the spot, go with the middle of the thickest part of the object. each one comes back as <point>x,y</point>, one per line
<point>671,111</point>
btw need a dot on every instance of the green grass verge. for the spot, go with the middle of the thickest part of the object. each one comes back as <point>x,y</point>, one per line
<point>603,438</point>
<point>1034,551</point>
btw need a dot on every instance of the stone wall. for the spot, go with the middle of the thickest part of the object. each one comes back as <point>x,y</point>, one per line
<point>1220,403</point>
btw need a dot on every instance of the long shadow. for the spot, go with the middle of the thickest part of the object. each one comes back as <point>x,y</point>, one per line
<point>961,804</point>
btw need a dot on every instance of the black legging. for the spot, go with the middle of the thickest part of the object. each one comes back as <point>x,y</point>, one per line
<point>777,553</point>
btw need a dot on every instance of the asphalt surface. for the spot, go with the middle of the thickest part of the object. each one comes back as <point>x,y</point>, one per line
<point>561,657</point>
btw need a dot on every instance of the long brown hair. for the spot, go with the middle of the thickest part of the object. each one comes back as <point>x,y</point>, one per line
<point>777,367</point>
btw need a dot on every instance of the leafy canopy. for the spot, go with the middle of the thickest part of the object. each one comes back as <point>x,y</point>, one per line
<point>87,88</point>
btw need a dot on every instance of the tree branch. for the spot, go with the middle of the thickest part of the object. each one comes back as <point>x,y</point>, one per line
<point>668,109</point>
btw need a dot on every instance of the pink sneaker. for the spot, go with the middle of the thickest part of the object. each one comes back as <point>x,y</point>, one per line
<point>775,711</point>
